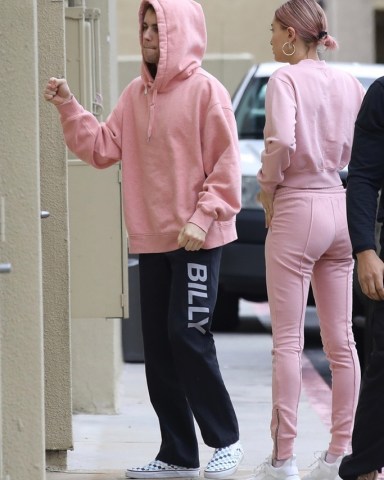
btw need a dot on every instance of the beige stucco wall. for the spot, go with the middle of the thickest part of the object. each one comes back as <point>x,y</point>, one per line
<point>55,237</point>
<point>351,22</point>
<point>22,381</point>
<point>35,402</point>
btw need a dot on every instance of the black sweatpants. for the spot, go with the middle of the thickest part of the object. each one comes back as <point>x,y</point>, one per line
<point>368,432</point>
<point>178,293</point>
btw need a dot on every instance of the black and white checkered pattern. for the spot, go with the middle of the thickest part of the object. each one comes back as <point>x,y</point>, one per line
<point>225,461</point>
<point>158,469</point>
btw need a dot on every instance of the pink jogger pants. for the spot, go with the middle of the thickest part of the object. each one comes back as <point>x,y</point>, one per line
<point>307,241</point>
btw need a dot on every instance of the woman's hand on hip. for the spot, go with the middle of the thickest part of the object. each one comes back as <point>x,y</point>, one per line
<point>266,199</point>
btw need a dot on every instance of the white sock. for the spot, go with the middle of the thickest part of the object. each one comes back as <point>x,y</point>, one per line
<point>278,463</point>
<point>331,458</point>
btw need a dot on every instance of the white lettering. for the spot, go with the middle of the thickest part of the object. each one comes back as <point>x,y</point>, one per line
<point>197,272</point>
<point>199,286</point>
<point>192,310</point>
<point>192,293</point>
<point>198,325</point>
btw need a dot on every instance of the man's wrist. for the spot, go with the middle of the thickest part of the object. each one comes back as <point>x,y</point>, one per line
<point>366,253</point>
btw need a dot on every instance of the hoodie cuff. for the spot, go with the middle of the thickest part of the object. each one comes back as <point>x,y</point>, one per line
<point>202,220</point>
<point>68,107</point>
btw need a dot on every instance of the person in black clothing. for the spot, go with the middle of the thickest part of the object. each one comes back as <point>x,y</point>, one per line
<point>365,180</point>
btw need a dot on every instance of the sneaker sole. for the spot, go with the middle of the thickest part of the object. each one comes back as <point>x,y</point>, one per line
<point>223,473</point>
<point>163,474</point>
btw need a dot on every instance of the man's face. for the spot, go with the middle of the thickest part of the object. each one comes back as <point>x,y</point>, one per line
<point>150,48</point>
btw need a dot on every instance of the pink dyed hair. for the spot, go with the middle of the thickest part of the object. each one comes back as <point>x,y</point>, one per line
<point>309,21</point>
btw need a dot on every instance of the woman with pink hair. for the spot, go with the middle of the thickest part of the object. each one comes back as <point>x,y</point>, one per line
<point>310,113</point>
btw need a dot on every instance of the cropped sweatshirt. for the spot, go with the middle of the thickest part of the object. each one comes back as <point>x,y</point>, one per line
<point>175,135</point>
<point>310,113</point>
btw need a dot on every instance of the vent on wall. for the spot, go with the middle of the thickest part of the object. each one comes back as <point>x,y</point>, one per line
<point>82,41</point>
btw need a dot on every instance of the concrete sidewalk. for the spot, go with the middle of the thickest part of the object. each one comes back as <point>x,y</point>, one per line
<point>104,446</point>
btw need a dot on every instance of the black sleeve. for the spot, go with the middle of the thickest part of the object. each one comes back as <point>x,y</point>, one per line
<point>366,169</point>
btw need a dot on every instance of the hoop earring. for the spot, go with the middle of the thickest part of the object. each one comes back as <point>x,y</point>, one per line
<point>291,46</point>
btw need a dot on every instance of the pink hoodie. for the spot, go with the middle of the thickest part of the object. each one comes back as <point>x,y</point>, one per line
<point>310,111</point>
<point>176,137</point>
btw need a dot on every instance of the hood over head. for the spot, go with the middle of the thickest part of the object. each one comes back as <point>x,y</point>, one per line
<point>182,40</point>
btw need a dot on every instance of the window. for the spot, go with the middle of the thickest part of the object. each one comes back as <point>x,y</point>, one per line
<point>250,114</point>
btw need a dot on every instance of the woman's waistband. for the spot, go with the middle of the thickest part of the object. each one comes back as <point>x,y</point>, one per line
<point>283,190</point>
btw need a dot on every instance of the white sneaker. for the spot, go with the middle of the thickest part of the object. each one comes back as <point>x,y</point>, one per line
<point>324,470</point>
<point>288,471</point>
<point>224,462</point>
<point>158,469</point>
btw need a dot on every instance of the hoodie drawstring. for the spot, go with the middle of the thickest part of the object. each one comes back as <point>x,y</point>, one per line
<point>152,107</point>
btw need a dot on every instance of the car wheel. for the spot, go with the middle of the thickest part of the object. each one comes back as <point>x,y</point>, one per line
<point>226,314</point>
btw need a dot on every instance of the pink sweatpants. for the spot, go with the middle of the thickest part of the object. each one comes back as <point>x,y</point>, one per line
<point>308,241</point>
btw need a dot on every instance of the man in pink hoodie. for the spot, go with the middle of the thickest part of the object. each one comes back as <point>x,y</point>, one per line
<point>174,131</point>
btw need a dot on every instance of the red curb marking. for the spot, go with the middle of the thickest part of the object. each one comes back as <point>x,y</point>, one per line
<point>318,392</point>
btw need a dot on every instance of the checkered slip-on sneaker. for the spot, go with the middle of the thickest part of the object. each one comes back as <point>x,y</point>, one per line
<point>158,469</point>
<point>225,461</point>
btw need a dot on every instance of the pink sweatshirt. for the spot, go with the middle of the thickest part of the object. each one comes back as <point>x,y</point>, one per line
<point>310,109</point>
<point>176,138</point>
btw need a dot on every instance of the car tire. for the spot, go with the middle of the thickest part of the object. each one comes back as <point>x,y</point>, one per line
<point>226,314</point>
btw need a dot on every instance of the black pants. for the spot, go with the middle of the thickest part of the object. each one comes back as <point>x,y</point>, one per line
<point>178,293</point>
<point>368,433</point>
